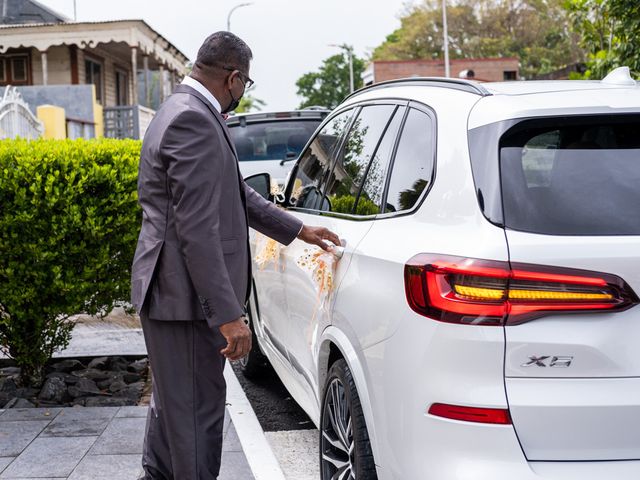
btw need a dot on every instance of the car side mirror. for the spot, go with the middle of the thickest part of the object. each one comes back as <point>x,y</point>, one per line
<point>261,183</point>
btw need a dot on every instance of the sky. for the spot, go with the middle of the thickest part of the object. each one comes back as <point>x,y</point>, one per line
<point>288,37</point>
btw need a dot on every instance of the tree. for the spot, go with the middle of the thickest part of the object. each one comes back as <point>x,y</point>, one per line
<point>249,103</point>
<point>610,33</point>
<point>328,86</point>
<point>535,31</point>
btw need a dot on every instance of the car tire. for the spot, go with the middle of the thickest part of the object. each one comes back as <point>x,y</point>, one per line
<point>255,363</point>
<point>345,449</point>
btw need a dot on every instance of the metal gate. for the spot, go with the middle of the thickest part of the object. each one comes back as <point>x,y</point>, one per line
<point>16,120</point>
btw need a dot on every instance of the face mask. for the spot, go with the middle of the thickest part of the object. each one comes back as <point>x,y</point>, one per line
<point>233,104</point>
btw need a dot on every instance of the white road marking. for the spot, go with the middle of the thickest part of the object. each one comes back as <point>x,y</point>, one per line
<point>260,457</point>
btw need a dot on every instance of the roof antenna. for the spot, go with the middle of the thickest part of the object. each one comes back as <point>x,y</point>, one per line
<point>619,76</point>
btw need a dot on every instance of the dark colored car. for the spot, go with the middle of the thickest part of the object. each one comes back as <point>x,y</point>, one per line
<point>267,142</point>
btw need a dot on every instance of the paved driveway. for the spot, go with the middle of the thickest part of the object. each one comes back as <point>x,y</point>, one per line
<point>89,444</point>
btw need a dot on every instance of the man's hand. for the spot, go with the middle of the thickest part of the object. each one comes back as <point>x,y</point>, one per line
<point>317,236</point>
<point>238,336</point>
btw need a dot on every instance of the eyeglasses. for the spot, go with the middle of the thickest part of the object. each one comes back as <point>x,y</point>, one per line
<point>248,83</point>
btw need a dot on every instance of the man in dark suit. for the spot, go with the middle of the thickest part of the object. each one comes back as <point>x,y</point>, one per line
<point>191,272</point>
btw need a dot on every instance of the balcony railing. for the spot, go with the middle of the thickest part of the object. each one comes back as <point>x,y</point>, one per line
<point>130,121</point>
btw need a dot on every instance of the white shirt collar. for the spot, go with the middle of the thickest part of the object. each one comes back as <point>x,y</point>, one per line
<point>197,86</point>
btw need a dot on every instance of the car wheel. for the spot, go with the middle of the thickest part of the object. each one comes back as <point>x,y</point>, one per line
<point>345,449</point>
<point>254,363</point>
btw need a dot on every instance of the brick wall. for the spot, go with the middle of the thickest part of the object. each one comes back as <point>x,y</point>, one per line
<point>485,69</point>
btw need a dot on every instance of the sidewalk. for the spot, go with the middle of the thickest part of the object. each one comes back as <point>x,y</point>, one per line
<point>95,443</point>
<point>89,444</point>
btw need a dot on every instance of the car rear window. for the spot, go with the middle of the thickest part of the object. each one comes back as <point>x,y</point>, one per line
<point>572,176</point>
<point>275,140</point>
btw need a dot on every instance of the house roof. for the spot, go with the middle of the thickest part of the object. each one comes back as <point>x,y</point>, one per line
<point>28,11</point>
<point>134,33</point>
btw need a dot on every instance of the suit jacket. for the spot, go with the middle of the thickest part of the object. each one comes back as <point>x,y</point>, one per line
<point>192,259</point>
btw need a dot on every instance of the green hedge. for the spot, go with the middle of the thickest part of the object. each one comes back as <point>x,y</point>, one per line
<point>69,220</point>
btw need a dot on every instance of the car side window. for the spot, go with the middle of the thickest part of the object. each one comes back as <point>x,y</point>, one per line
<point>373,187</point>
<point>316,161</point>
<point>413,164</point>
<point>352,163</point>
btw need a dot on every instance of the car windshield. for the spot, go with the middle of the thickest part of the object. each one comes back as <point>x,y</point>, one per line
<point>273,140</point>
<point>572,176</point>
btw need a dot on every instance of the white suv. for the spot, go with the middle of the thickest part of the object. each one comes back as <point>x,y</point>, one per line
<point>482,323</point>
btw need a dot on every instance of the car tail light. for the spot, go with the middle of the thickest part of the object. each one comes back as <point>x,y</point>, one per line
<point>473,291</point>
<point>499,416</point>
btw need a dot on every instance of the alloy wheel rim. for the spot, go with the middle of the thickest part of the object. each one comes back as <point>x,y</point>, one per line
<point>338,446</point>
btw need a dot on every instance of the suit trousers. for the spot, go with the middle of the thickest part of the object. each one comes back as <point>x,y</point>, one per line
<point>183,437</point>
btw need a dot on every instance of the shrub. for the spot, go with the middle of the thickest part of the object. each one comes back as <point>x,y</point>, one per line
<point>69,220</point>
<point>344,204</point>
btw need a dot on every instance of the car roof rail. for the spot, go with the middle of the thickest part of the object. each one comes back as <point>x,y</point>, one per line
<point>315,108</point>
<point>281,115</point>
<point>469,86</point>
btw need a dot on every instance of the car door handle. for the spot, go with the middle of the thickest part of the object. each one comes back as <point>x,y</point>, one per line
<point>338,250</point>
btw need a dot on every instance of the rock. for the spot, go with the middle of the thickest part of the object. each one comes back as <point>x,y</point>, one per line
<point>65,377</point>
<point>8,385</point>
<point>133,391</point>
<point>49,404</point>
<point>92,374</point>
<point>26,392</point>
<point>139,366</point>
<point>83,388</point>
<point>74,392</point>
<point>131,377</point>
<point>87,385</point>
<point>23,403</point>
<point>19,403</point>
<point>113,377</point>
<point>53,390</point>
<point>118,364</point>
<point>10,371</point>
<point>67,366</point>
<point>108,402</point>
<point>117,386</point>
<point>79,384</point>
<point>100,363</point>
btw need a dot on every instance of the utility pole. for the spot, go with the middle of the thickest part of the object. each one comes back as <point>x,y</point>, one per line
<point>445,33</point>
<point>75,11</point>
<point>351,84</point>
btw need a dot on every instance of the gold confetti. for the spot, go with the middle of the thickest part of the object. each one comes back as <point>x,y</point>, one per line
<point>267,250</point>
<point>321,265</point>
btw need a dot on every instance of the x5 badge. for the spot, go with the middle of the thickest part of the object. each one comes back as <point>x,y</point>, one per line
<point>549,361</point>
